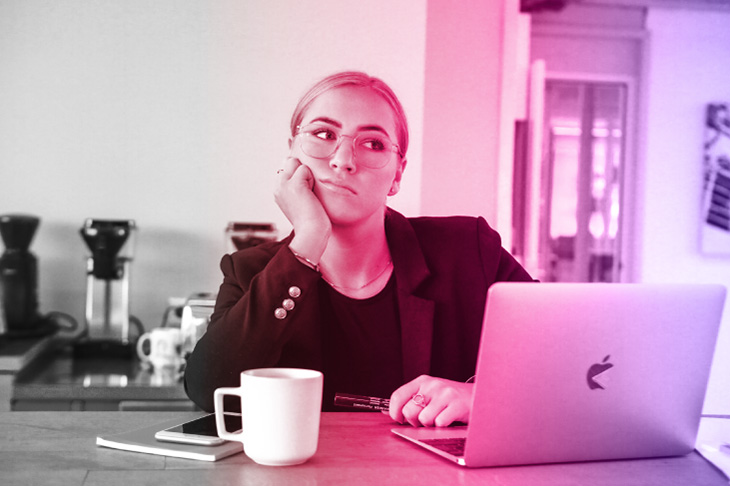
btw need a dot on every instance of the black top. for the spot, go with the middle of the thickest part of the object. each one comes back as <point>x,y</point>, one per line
<point>361,344</point>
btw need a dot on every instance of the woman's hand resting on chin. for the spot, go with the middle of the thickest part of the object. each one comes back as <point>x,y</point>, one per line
<point>293,194</point>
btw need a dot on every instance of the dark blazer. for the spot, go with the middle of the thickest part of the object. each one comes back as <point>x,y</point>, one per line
<point>443,267</point>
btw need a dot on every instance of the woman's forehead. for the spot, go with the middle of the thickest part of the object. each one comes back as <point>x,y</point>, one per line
<point>352,107</point>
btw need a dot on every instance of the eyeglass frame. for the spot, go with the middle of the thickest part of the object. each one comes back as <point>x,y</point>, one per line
<point>394,147</point>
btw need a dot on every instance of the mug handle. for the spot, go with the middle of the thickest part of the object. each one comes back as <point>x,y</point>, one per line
<point>220,423</point>
<point>140,343</point>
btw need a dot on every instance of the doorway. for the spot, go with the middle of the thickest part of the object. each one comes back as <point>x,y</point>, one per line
<point>582,181</point>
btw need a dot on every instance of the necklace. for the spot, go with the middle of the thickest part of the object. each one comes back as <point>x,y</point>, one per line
<point>390,263</point>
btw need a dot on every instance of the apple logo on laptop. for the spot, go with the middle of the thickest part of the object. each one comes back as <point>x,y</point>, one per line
<point>595,377</point>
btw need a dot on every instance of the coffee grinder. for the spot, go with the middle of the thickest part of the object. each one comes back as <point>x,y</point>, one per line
<point>240,235</point>
<point>19,278</point>
<point>111,244</point>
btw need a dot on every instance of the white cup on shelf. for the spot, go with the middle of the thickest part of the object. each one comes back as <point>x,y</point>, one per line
<point>165,348</point>
<point>193,324</point>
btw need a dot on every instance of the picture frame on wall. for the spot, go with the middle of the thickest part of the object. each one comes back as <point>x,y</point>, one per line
<point>715,225</point>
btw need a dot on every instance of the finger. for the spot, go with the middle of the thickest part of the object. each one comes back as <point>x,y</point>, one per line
<point>292,171</point>
<point>411,410</point>
<point>400,397</point>
<point>288,167</point>
<point>303,175</point>
<point>291,164</point>
<point>430,412</point>
<point>451,414</point>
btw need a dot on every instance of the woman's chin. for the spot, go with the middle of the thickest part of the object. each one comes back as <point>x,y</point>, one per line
<point>342,211</point>
<point>342,216</point>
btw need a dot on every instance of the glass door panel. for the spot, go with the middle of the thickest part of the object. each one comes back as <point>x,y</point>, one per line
<point>582,177</point>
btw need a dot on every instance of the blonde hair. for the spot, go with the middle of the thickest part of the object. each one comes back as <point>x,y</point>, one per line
<point>358,79</point>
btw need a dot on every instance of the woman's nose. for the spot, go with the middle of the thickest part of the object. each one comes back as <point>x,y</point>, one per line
<point>344,156</point>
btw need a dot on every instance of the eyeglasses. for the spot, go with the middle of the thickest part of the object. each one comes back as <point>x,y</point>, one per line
<point>370,149</point>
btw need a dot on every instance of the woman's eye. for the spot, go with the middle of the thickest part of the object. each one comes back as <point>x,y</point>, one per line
<point>324,134</point>
<point>374,144</point>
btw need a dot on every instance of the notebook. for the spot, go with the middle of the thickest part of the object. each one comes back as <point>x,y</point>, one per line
<point>143,440</point>
<point>572,372</point>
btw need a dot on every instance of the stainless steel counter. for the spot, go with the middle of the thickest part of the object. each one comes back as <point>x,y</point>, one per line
<point>59,381</point>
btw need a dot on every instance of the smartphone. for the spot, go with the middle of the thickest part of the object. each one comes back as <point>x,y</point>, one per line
<point>200,431</point>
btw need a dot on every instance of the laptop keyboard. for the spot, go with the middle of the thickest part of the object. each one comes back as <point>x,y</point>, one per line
<point>453,446</point>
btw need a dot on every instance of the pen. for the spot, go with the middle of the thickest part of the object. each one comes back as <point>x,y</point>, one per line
<point>360,401</point>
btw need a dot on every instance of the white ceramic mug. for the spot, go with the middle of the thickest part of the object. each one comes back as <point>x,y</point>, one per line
<point>165,347</point>
<point>193,324</point>
<point>280,411</point>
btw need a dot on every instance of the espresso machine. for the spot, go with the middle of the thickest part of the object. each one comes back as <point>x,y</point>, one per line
<point>19,316</point>
<point>108,322</point>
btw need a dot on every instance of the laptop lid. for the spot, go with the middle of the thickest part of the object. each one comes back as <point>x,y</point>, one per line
<point>580,372</point>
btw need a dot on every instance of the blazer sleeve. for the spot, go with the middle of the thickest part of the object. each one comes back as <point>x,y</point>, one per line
<point>264,316</point>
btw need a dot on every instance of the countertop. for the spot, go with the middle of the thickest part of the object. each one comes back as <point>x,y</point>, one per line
<point>15,354</point>
<point>59,375</point>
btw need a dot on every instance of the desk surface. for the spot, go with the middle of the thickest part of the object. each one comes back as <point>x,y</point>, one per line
<point>355,448</point>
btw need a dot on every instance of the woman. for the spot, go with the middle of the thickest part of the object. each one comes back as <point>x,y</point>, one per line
<point>382,304</point>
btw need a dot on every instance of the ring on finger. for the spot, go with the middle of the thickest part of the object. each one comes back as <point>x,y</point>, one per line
<point>419,400</point>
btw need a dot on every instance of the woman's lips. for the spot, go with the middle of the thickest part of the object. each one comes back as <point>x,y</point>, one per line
<point>338,187</point>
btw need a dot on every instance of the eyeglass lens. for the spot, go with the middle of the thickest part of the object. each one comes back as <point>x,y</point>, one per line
<point>372,150</point>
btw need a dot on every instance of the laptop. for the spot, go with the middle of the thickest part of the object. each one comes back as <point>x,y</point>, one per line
<point>572,372</point>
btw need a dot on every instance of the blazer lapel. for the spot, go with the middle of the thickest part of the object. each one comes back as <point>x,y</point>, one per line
<point>416,313</point>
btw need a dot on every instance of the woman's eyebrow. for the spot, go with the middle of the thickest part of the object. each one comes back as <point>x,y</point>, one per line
<point>372,128</point>
<point>361,128</point>
<point>330,121</point>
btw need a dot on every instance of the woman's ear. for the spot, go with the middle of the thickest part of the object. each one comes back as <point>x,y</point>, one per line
<point>395,186</point>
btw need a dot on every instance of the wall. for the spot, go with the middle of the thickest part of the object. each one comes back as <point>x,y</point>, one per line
<point>688,67</point>
<point>462,108</point>
<point>175,113</point>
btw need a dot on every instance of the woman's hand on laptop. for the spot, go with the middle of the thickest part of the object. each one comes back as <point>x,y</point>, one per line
<point>428,402</point>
